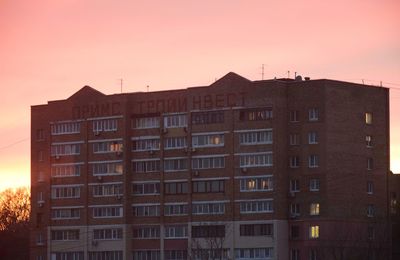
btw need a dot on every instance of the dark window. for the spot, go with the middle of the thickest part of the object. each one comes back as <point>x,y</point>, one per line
<point>208,186</point>
<point>256,230</point>
<point>294,232</point>
<point>214,117</point>
<point>294,116</point>
<point>176,188</point>
<point>208,231</point>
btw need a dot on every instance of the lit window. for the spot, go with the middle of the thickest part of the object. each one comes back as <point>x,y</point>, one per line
<point>208,140</point>
<point>314,232</point>
<point>314,209</point>
<point>368,140</point>
<point>313,114</point>
<point>368,118</point>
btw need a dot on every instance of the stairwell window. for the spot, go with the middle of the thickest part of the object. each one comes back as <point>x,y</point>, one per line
<point>313,114</point>
<point>313,161</point>
<point>314,232</point>
<point>368,118</point>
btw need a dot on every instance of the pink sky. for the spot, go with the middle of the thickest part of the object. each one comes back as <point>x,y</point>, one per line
<point>50,49</point>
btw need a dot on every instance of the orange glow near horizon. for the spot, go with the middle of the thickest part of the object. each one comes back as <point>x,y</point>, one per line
<point>50,49</point>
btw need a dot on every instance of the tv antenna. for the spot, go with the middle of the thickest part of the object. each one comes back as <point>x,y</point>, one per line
<point>262,72</point>
<point>121,81</point>
<point>148,88</point>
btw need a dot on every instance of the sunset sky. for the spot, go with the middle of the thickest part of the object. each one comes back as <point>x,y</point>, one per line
<point>50,49</point>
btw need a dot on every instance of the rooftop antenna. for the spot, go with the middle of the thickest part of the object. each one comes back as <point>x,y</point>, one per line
<point>121,83</point>
<point>147,88</point>
<point>262,72</point>
<point>288,73</point>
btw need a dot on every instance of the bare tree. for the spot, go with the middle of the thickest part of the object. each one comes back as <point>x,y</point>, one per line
<point>14,224</point>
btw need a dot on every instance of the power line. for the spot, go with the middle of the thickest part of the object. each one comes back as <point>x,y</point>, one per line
<point>14,143</point>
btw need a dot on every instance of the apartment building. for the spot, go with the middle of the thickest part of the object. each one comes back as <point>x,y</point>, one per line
<point>240,169</point>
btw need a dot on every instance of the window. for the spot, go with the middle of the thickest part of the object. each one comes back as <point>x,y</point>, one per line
<point>40,176</point>
<point>256,230</point>
<point>212,117</point>
<point>147,165</point>
<point>146,210</point>
<point>371,233</point>
<point>294,185</point>
<point>175,209</point>
<point>174,142</point>
<point>176,188</point>
<point>176,231</point>
<point>370,187</point>
<point>314,232</point>
<point>368,118</point>
<point>65,191</point>
<point>208,231</point>
<point>40,156</point>
<point>175,164</point>
<point>103,255</point>
<point>64,149</point>
<point>146,122</point>
<point>173,121</point>
<point>255,137</point>
<point>313,114</point>
<point>108,147</point>
<point>65,235</point>
<point>146,143</point>
<point>107,234</point>
<point>208,186</point>
<point>65,128</point>
<point>313,161</point>
<point>294,232</point>
<point>66,170</point>
<point>294,209</point>
<point>40,198</point>
<point>146,188</point>
<point>39,239</point>
<point>294,254</point>
<point>294,116</point>
<point>107,168</point>
<point>254,253</point>
<point>107,190</point>
<point>368,140</point>
<point>175,254</point>
<point>256,114</point>
<point>314,209</point>
<point>313,254</point>
<point>256,184</point>
<point>149,232</point>
<point>370,210</point>
<point>39,135</point>
<point>256,206</point>
<point>208,208</point>
<point>294,161</point>
<point>208,162</point>
<point>294,139</point>
<point>146,255</point>
<point>220,253</point>
<point>370,163</point>
<point>65,213</point>
<point>105,125</point>
<point>67,256</point>
<point>256,160</point>
<point>312,138</point>
<point>208,140</point>
<point>314,185</point>
<point>107,211</point>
